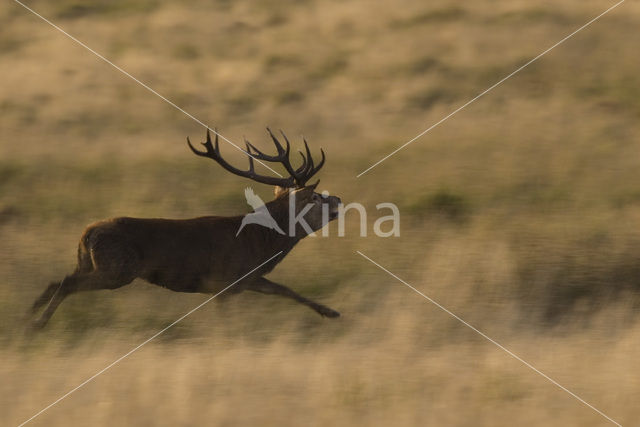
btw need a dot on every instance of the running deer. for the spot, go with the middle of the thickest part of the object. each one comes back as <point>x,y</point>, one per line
<point>204,254</point>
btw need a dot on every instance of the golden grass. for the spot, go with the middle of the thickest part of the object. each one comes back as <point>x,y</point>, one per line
<point>519,214</point>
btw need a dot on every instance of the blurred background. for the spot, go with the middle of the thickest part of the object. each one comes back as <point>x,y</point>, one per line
<point>520,213</point>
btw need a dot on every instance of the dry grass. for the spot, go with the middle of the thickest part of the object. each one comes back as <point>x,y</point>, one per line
<point>519,214</point>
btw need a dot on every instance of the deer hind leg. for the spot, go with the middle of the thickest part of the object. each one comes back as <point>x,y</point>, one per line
<point>45,297</point>
<point>77,282</point>
<point>85,265</point>
<point>266,286</point>
<point>58,294</point>
<point>113,265</point>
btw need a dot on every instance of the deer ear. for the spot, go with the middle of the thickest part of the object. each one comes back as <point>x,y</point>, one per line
<point>280,191</point>
<point>313,186</point>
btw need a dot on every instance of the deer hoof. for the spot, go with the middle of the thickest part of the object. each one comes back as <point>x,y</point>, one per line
<point>327,312</point>
<point>36,325</point>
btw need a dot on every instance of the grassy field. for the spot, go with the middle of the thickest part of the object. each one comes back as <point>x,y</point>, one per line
<point>520,214</point>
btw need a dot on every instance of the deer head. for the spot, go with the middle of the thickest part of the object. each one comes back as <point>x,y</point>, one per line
<point>294,199</point>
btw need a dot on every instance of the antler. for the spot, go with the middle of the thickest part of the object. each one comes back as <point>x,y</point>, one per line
<point>297,177</point>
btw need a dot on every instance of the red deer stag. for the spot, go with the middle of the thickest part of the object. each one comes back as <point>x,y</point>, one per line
<point>208,253</point>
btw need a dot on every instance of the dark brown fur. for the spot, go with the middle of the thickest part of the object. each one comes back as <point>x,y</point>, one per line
<point>192,255</point>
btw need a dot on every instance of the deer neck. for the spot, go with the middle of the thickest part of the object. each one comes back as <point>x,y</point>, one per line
<point>279,210</point>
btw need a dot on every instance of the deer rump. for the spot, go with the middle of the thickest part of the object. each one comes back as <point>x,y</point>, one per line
<point>190,255</point>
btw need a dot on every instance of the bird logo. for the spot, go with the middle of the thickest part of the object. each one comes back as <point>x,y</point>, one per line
<point>260,214</point>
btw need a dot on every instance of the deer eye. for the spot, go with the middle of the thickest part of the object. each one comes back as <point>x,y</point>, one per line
<point>315,197</point>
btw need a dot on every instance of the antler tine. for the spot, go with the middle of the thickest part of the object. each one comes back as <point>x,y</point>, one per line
<point>278,145</point>
<point>207,143</point>
<point>216,146</point>
<point>213,152</point>
<point>321,161</point>
<point>196,152</point>
<point>295,173</point>
<point>288,143</point>
<point>315,169</point>
<point>303,166</point>
<point>257,153</point>
<point>210,150</point>
<point>303,172</point>
<point>250,155</point>
<point>297,177</point>
<point>307,169</point>
<point>309,157</point>
<point>282,153</point>
<point>310,168</point>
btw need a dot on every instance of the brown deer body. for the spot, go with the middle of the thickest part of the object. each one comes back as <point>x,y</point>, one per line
<point>203,254</point>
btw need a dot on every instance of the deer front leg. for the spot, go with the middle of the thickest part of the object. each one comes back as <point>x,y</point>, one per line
<point>265,286</point>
